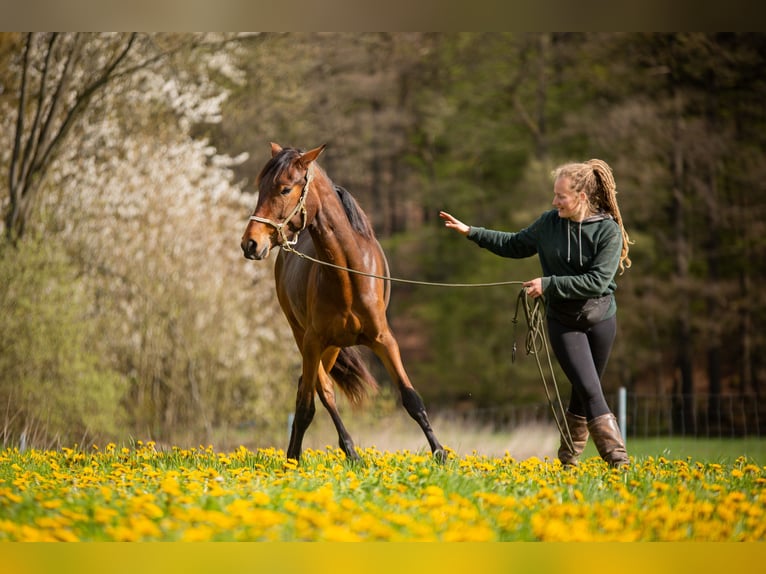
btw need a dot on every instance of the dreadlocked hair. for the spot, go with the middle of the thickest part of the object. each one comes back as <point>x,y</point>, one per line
<point>594,178</point>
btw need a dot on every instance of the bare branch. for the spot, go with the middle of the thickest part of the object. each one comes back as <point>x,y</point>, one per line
<point>36,135</point>
<point>55,99</point>
<point>30,159</point>
<point>46,118</point>
<point>82,101</point>
<point>19,120</point>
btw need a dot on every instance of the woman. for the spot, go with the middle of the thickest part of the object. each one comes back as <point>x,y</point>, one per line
<point>581,244</point>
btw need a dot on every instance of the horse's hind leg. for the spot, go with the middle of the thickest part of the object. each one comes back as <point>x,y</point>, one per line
<point>326,393</point>
<point>387,349</point>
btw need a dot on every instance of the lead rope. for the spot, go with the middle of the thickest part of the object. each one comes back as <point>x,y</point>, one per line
<point>290,249</point>
<point>535,342</point>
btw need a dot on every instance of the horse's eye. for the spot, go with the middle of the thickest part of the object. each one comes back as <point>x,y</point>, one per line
<point>286,190</point>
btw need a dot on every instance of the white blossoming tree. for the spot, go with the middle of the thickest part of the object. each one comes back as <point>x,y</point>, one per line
<point>151,219</point>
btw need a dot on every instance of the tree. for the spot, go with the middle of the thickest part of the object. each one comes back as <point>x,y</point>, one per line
<point>150,218</point>
<point>58,79</point>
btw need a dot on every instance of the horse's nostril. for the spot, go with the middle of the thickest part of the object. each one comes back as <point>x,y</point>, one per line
<point>248,247</point>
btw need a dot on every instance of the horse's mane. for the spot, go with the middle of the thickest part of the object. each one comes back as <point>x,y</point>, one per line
<point>278,164</point>
<point>356,217</point>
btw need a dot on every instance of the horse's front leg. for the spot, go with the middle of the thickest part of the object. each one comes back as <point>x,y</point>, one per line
<point>387,349</point>
<point>304,401</point>
<point>304,414</point>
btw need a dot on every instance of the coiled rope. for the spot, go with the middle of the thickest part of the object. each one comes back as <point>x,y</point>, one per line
<point>535,342</point>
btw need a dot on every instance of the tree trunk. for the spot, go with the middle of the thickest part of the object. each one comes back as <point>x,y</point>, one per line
<point>685,402</point>
<point>712,248</point>
<point>541,142</point>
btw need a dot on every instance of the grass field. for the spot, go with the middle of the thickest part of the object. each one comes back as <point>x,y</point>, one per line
<point>142,493</point>
<point>706,449</point>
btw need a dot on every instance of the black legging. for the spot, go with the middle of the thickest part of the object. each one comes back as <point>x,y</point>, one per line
<point>583,355</point>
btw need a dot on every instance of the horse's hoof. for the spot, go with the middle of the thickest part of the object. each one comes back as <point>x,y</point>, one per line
<point>351,455</point>
<point>355,458</point>
<point>356,461</point>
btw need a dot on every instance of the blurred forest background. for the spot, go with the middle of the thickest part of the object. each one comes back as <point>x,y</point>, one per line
<point>128,163</point>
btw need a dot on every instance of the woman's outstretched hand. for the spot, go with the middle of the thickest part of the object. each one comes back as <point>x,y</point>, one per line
<point>454,223</point>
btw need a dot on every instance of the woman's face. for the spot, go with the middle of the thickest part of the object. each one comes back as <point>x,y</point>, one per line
<point>569,204</point>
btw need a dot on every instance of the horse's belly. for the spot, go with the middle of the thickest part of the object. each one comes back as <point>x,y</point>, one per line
<point>343,317</point>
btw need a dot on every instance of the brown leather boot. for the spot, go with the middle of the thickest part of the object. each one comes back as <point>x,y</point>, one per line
<point>578,429</point>
<point>608,440</point>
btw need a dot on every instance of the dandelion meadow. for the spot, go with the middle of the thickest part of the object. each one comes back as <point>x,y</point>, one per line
<point>142,493</point>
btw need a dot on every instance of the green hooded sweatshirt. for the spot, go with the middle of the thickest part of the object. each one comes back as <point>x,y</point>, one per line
<point>579,260</point>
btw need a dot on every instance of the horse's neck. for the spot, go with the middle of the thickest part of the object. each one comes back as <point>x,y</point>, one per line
<point>336,242</point>
<point>334,237</point>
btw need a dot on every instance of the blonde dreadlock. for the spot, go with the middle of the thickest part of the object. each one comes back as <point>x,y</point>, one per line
<point>594,178</point>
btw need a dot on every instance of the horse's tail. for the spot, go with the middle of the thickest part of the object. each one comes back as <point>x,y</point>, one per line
<point>352,376</point>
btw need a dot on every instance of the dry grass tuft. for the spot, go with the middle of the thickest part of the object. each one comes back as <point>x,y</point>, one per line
<point>397,431</point>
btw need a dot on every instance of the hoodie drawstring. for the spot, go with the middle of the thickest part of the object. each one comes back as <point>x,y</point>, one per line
<point>569,241</point>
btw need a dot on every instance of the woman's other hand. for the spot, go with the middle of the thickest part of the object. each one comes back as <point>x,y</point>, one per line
<point>534,287</point>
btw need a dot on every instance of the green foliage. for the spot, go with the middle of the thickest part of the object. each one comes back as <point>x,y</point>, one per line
<point>155,288</point>
<point>473,123</point>
<point>54,385</point>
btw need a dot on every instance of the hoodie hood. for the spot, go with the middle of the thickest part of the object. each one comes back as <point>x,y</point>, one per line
<point>601,216</point>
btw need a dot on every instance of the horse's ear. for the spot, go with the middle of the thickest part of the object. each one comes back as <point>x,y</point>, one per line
<point>275,149</point>
<point>311,155</point>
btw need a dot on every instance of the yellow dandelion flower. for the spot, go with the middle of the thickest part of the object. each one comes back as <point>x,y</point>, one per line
<point>433,490</point>
<point>48,522</point>
<point>144,527</point>
<point>121,534</point>
<point>64,535</point>
<point>478,533</point>
<point>8,496</point>
<point>104,515</point>
<point>170,486</point>
<point>200,533</point>
<point>339,533</point>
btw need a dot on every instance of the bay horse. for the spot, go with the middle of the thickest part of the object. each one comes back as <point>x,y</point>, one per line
<point>330,310</point>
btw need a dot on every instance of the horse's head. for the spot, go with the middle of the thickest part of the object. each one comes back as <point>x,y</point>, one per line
<point>281,212</point>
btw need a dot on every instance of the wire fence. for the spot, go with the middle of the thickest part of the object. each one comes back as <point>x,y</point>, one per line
<point>645,415</point>
<point>698,415</point>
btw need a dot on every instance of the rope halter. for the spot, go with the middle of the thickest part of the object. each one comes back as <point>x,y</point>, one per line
<point>300,207</point>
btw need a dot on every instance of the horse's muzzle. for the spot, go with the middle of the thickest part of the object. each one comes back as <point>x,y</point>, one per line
<point>251,251</point>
